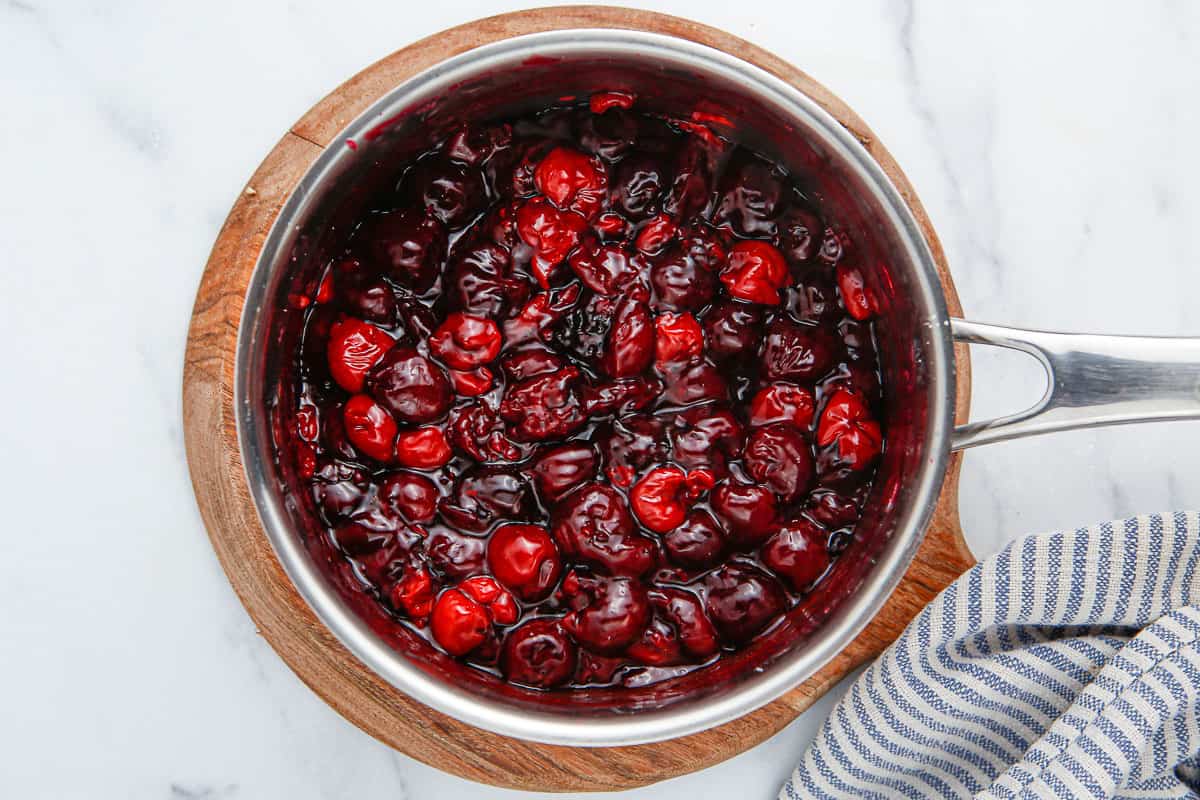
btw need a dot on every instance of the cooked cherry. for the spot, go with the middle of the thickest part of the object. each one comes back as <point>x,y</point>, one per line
<point>685,277</point>
<point>609,135</point>
<point>782,402</point>
<point>741,601</point>
<point>778,457</point>
<point>471,383</point>
<point>370,428</point>
<point>486,495</point>
<point>538,654</point>
<point>610,613</point>
<point>552,232</point>
<point>706,437</point>
<point>525,559</point>
<point>604,268</point>
<point>749,512</point>
<point>698,542</point>
<point>457,555</point>
<point>857,298</point>
<point>451,191</point>
<point>800,233</point>
<point>354,347</point>
<point>459,623</point>
<point>637,185</point>
<point>480,433</point>
<point>543,407</point>
<point>540,314</point>
<point>663,495</point>
<point>751,196</point>
<point>480,281</point>
<point>831,509</point>
<point>532,361</point>
<point>732,329</point>
<point>632,444</point>
<point>560,469</point>
<point>473,146</point>
<point>677,338</point>
<point>572,180</point>
<point>593,524</point>
<point>845,420</point>
<point>794,352</point>
<point>693,382</point>
<point>411,494</point>
<point>409,385</point>
<point>363,295</point>
<point>408,244</point>
<point>755,273</point>
<point>679,631</point>
<point>797,553</point>
<point>630,345</point>
<point>656,234</point>
<point>814,300</point>
<point>620,397</point>
<point>464,341</point>
<point>422,448</point>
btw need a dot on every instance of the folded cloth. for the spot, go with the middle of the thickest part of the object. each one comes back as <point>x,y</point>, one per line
<point>1068,665</point>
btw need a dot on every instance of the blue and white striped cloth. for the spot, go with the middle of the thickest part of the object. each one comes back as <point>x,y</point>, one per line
<point>1068,665</point>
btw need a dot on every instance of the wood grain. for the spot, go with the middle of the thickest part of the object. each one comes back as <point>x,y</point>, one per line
<point>278,611</point>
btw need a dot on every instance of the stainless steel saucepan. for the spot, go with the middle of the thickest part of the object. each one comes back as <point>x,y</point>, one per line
<point>1092,380</point>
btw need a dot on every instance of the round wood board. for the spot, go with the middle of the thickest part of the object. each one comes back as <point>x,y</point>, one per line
<point>282,616</point>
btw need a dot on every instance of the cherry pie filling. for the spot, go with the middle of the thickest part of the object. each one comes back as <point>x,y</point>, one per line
<point>590,398</point>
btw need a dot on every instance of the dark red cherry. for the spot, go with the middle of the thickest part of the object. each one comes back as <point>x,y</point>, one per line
<point>684,278</point>
<point>630,346</point>
<point>486,495</point>
<point>678,337</point>
<point>679,628</point>
<point>800,233</point>
<point>732,329</point>
<point>409,385</point>
<point>362,293</point>
<point>539,654</point>
<point>408,245</point>
<point>795,352</point>
<point>593,524</point>
<point>480,433</point>
<point>692,382</point>
<point>749,512</point>
<point>782,402</point>
<point>480,281</point>
<point>620,397</point>
<point>610,613</point>
<point>457,555</point>
<point>543,407</point>
<point>780,458</point>
<point>692,188</point>
<point>414,593</point>
<point>540,315</point>
<point>630,445</point>
<point>338,489</point>
<point>527,363</point>
<point>560,469</point>
<point>697,543</point>
<point>741,601</point>
<point>706,438</point>
<point>831,509</point>
<point>797,553</point>
<point>637,185</point>
<point>451,191</point>
<point>525,559</point>
<point>655,234</point>
<point>475,145</point>
<point>410,494</point>
<point>605,268</point>
<point>752,191</point>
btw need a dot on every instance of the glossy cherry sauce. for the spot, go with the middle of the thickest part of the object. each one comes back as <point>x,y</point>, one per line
<point>590,397</point>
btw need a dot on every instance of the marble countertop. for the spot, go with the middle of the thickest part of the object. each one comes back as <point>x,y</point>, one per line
<point>1055,150</point>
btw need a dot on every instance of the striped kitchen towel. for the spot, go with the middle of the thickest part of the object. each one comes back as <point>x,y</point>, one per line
<point>1068,665</point>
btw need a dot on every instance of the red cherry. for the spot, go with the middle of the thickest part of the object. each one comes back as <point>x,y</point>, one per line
<point>538,654</point>
<point>846,421</point>
<point>308,427</point>
<point>749,512</point>
<point>411,495</point>
<point>422,448</point>
<point>480,433</point>
<point>533,361</point>
<point>459,623</point>
<point>755,272</point>
<point>465,341</point>
<point>413,593</point>
<point>539,314</point>
<point>855,295</point>
<point>354,347</point>
<point>620,397</point>
<point>499,602</point>
<point>678,338</point>
<point>369,428</point>
<point>604,268</point>
<point>661,498</point>
<point>611,225</point>
<point>656,234</point>
<point>779,457</point>
<point>525,559</point>
<point>630,345</point>
<point>797,553</point>
<point>471,384</point>
<point>572,180</point>
<point>603,101</point>
<point>782,402</point>
<point>551,232</point>
<point>680,624</point>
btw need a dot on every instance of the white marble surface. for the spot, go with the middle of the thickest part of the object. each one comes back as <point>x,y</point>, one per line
<point>1055,146</point>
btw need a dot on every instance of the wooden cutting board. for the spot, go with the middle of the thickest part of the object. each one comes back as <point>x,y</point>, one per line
<point>282,616</point>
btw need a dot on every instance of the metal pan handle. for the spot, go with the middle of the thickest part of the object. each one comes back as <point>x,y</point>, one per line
<point>1091,381</point>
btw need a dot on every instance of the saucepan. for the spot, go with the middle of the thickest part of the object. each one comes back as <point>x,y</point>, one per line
<point>1091,380</point>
